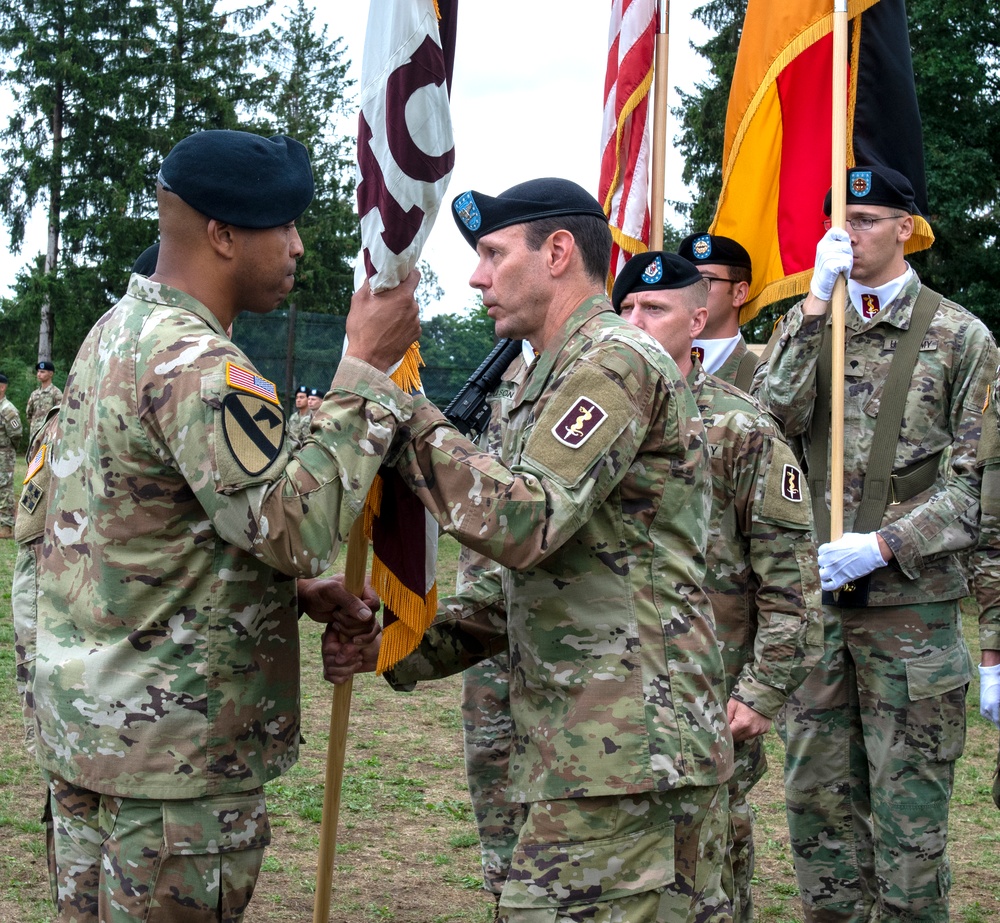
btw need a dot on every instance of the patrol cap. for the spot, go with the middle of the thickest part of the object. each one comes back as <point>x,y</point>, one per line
<point>45,367</point>
<point>712,249</point>
<point>239,177</point>
<point>654,271</point>
<point>3,379</point>
<point>145,265</point>
<point>478,214</point>
<point>876,186</point>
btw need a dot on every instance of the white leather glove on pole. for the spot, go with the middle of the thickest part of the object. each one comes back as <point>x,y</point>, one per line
<point>833,257</point>
<point>852,555</point>
<point>989,693</point>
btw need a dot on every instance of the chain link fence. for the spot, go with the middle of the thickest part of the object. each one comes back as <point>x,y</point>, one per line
<point>308,354</point>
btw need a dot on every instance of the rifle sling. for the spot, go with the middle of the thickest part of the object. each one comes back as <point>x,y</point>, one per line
<point>881,485</point>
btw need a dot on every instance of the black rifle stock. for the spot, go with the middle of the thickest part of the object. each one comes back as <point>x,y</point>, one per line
<point>468,409</point>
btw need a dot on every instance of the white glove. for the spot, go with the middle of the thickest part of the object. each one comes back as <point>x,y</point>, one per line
<point>852,555</point>
<point>989,693</point>
<point>833,257</point>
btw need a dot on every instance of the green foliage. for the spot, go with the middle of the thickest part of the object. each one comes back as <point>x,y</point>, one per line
<point>453,346</point>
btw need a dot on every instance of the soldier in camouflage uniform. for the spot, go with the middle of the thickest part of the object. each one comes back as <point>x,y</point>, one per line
<point>166,669</point>
<point>43,398</point>
<point>725,265</point>
<point>298,422</point>
<point>597,509</point>
<point>873,733</point>
<point>10,436</point>
<point>761,575</point>
<point>986,570</point>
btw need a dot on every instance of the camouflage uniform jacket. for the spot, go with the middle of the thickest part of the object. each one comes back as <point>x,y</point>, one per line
<point>943,414</point>
<point>727,371</point>
<point>167,662</point>
<point>598,511</point>
<point>762,577</point>
<point>986,562</point>
<point>10,425</point>
<point>40,402</point>
<point>298,427</point>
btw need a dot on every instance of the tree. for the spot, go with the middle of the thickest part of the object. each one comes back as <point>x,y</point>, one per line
<point>102,91</point>
<point>453,346</point>
<point>956,54</point>
<point>309,90</point>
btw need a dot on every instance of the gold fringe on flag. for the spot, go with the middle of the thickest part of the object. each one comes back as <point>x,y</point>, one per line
<point>414,615</point>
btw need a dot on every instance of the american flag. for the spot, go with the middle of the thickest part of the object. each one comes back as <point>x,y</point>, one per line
<point>35,465</point>
<point>245,380</point>
<point>625,136</point>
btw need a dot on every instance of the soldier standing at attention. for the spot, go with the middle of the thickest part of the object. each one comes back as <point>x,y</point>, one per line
<point>873,733</point>
<point>761,574</point>
<point>166,686</point>
<point>298,422</point>
<point>725,265</point>
<point>43,398</point>
<point>10,436</point>
<point>597,510</point>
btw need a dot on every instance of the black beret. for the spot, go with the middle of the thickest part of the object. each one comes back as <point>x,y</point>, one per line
<point>45,367</point>
<point>301,389</point>
<point>315,392</point>
<point>650,272</point>
<point>240,178</point>
<point>711,249</point>
<point>145,265</point>
<point>876,186</point>
<point>3,379</point>
<point>477,214</point>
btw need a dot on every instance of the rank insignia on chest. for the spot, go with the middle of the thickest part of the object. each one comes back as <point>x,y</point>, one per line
<point>30,497</point>
<point>36,463</point>
<point>254,431</point>
<point>579,423</point>
<point>252,383</point>
<point>791,484</point>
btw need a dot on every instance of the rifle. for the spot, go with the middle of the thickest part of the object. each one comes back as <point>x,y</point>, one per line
<point>468,410</point>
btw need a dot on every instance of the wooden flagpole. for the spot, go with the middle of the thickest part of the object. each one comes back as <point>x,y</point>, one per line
<point>838,218</point>
<point>336,749</point>
<point>659,153</point>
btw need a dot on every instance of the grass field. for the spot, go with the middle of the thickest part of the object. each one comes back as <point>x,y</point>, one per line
<point>407,847</point>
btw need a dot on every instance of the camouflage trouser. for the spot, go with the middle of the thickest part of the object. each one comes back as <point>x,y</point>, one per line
<point>749,766</point>
<point>649,858</point>
<point>8,457</point>
<point>117,860</point>
<point>872,737</point>
<point>488,728</point>
<point>23,604</point>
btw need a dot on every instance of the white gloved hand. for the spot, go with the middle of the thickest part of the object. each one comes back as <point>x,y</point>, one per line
<point>852,555</point>
<point>833,257</point>
<point>989,693</point>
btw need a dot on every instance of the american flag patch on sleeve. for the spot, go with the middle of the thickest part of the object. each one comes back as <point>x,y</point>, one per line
<point>35,465</point>
<point>245,380</point>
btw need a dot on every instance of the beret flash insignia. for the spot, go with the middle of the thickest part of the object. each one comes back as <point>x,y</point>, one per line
<point>860,182</point>
<point>653,272</point>
<point>468,212</point>
<point>702,247</point>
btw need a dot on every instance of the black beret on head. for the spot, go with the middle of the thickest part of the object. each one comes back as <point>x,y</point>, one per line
<point>478,214</point>
<point>711,249</point>
<point>315,392</point>
<point>301,389</point>
<point>145,265</point>
<point>45,367</point>
<point>650,272</point>
<point>3,379</point>
<point>876,186</point>
<point>240,178</point>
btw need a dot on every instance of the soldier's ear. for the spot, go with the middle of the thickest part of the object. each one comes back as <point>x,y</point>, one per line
<point>740,292</point>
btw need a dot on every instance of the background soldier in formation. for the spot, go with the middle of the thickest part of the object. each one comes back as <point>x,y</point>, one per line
<point>298,422</point>
<point>166,670</point>
<point>43,398</point>
<point>725,265</point>
<point>597,510</point>
<point>10,437</point>
<point>761,574</point>
<point>873,733</point>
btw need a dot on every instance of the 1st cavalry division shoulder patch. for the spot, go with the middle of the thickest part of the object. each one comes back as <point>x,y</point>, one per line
<point>254,429</point>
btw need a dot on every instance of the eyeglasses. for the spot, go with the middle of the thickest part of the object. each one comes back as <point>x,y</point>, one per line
<point>711,279</point>
<point>862,224</point>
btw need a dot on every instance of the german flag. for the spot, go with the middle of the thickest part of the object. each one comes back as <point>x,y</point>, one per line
<point>776,165</point>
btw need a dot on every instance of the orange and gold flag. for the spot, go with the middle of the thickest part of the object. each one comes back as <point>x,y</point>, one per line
<point>776,164</point>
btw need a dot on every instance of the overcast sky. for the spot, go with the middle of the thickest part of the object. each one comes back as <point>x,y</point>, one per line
<point>526,102</point>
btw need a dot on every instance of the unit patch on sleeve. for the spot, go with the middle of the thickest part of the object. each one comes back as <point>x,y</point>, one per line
<point>579,423</point>
<point>785,492</point>
<point>254,431</point>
